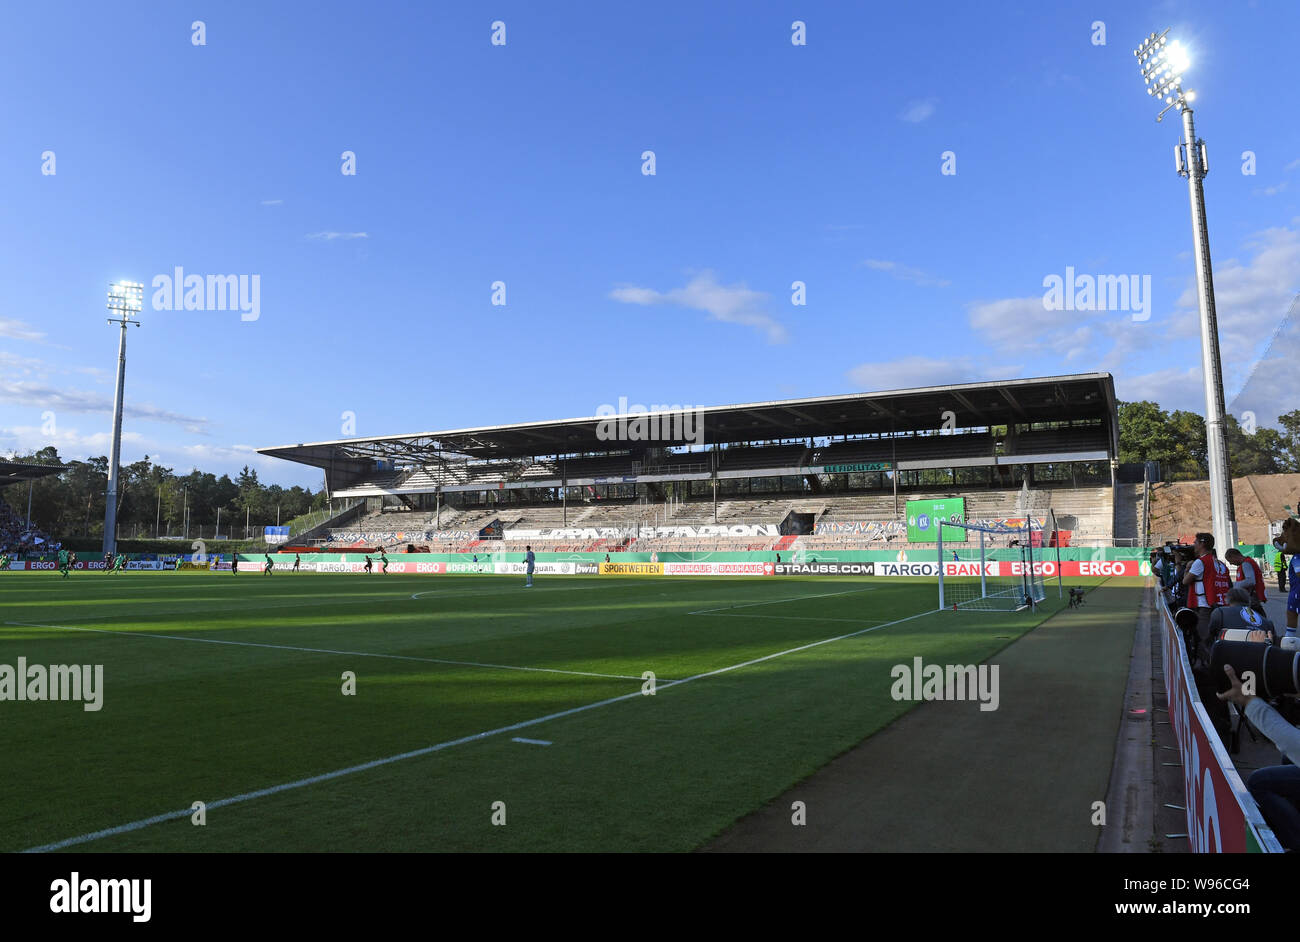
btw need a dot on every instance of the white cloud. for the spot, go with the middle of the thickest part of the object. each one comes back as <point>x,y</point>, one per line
<point>229,459</point>
<point>226,452</point>
<point>74,445</point>
<point>1258,304</point>
<point>633,295</point>
<point>13,363</point>
<point>18,330</point>
<point>44,397</point>
<point>910,371</point>
<point>905,273</point>
<point>1067,341</point>
<point>1175,387</point>
<point>918,110</point>
<point>331,236</point>
<point>1018,326</point>
<point>1252,299</point>
<point>272,202</point>
<point>71,442</point>
<point>735,304</point>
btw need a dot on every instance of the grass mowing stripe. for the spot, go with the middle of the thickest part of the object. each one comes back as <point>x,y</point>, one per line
<point>427,750</point>
<point>444,593</point>
<point>290,647</point>
<point>797,598</point>
<point>856,621</point>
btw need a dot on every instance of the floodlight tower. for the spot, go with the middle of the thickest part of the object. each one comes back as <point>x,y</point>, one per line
<point>126,299</point>
<point>1163,63</point>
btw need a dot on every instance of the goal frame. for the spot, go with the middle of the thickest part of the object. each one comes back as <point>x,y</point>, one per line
<point>1024,535</point>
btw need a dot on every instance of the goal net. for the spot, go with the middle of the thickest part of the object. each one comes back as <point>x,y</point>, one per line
<point>991,570</point>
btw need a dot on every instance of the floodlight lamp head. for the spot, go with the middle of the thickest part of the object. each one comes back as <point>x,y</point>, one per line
<point>126,297</point>
<point>1163,63</point>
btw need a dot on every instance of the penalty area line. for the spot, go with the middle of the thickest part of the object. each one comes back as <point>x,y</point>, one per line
<point>428,750</point>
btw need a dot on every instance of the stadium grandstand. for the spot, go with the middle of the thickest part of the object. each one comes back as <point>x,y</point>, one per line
<point>17,534</point>
<point>792,475</point>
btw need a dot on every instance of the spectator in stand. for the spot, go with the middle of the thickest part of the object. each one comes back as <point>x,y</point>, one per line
<point>16,537</point>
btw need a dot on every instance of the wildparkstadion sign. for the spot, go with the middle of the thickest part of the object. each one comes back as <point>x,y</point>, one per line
<point>850,468</point>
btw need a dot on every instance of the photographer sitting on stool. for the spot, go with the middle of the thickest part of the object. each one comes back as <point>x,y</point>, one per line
<point>1240,613</point>
<point>1277,787</point>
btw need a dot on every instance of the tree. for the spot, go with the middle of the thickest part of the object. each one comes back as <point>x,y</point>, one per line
<point>1260,453</point>
<point>72,502</point>
<point>1189,444</point>
<point>1145,433</point>
<point>1289,440</point>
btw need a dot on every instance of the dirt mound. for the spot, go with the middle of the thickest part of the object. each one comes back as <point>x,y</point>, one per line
<point>1180,509</point>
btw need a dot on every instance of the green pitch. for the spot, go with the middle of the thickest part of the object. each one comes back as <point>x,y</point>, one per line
<point>230,690</point>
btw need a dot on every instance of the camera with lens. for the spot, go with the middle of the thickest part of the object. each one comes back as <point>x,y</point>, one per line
<point>1276,671</point>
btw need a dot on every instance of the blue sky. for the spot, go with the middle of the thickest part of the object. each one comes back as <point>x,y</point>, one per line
<point>522,163</point>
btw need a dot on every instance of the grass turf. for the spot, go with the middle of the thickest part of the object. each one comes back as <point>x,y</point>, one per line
<point>184,722</point>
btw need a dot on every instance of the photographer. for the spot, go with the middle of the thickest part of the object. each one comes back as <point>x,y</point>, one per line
<point>1276,788</point>
<point>1240,613</point>
<point>1249,575</point>
<point>1208,583</point>
<point>1162,563</point>
<point>1175,563</point>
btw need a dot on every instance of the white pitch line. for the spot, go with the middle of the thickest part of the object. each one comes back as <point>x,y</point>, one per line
<point>290,647</point>
<point>532,742</point>
<point>427,750</point>
<point>797,598</point>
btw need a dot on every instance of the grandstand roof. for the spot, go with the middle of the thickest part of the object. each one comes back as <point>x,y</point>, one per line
<point>12,472</point>
<point>1005,402</point>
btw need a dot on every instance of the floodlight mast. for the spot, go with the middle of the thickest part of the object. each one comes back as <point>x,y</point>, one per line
<point>126,299</point>
<point>1163,63</point>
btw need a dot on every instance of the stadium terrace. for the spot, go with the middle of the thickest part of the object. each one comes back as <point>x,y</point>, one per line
<point>1051,430</point>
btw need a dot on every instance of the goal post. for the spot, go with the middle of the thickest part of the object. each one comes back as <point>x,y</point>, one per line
<point>993,570</point>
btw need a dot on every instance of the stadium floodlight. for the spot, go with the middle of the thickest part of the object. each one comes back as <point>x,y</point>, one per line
<point>1163,63</point>
<point>126,300</point>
